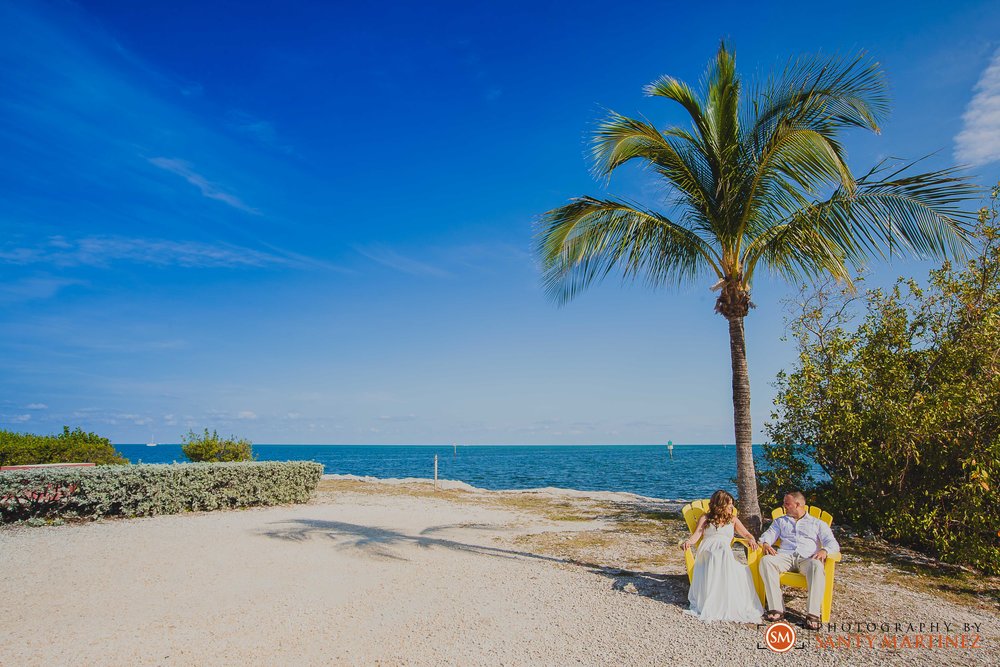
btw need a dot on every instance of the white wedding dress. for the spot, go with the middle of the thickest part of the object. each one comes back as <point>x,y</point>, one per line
<point>722,588</point>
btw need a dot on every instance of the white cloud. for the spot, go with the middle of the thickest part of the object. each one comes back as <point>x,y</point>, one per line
<point>36,406</point>
<point>261,131</point>
<point>28,289</point>
<point>247,414</point>
<point>979,141</point>
<point>138,420</point>
<point>394,260</point>
<point>397,418</point>
<point>18,419</point>
<point>208,189</point>
<point>101,251</point>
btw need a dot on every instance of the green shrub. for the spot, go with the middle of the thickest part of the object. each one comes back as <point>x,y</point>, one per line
<point>147,490</point>
<point>74,446</point>
<point>901,411</point>
<point>209,447</point>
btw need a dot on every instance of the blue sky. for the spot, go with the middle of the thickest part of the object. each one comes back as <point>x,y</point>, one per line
<point>312,222</point>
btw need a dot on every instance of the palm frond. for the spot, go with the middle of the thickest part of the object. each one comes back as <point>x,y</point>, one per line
<point>798,165</point>
<point>888,212</point>
<point>792,129</point>
<point>676,90</point>
<point>587,238</point>
<point>675,156</point>
<point>920,214</point>
<point>798,250</point>
<point>723,96</point>
<point>827,94</point>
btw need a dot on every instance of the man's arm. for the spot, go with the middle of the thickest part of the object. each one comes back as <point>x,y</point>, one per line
<point>769,536</point>
<point>827,539</point>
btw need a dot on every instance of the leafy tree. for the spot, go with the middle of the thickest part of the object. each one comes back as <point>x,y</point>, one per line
<point>212,448</point>
<point>902,412</point>
<point>74,446</point>
<point>756,181</point>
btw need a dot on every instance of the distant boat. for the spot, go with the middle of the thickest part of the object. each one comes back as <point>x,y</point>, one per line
<point>151,443</point>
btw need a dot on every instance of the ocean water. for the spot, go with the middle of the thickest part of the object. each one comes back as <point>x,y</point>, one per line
<point>694,472</point>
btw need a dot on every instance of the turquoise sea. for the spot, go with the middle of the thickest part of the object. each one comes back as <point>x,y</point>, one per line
<point>694,472</point>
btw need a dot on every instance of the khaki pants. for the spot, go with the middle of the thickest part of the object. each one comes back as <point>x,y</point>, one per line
<point>771,568</point>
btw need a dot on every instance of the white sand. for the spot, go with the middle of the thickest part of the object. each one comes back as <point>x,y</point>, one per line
<point>362,579</point>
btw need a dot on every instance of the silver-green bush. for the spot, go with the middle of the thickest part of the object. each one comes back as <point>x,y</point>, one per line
<point>147,490</point>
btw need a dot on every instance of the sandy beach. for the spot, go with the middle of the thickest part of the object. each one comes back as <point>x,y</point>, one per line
<point>378,574</point>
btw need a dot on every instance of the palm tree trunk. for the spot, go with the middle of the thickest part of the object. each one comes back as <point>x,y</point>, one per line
<point>746,473</point>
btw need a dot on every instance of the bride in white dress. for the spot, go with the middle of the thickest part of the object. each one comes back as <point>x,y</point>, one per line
<point>721,588</point>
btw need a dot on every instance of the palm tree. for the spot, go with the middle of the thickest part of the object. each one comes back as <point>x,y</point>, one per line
<point>758,180</point>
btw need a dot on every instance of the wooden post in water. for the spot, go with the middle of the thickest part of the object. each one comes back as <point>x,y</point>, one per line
<point>435,471</point>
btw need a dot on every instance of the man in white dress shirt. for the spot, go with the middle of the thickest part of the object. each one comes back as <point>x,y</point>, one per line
<point>805,543</point>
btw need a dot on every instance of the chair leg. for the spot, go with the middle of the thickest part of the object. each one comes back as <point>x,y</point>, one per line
<point>828,592</point>
<point>753,562</point>
<point>689,562</point>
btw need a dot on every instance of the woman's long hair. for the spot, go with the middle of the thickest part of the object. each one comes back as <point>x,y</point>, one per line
<point>720,511</point>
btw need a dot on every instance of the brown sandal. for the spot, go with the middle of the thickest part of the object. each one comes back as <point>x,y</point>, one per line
<point>812,623</point>
<point>773,615</point>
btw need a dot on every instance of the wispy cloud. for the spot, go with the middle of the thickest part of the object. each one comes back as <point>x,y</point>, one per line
<point>397,418</point>
<point>36,406</point>
<point>394,260</point>
<point>247,415</point>
<point>208,189</point>
<point>30,289</point>
<point>487,257</point>
<point>138,420</point>
<point>16,419</point>
<point>979,141</point>
<point>261,131</point>
<point>101,251</point>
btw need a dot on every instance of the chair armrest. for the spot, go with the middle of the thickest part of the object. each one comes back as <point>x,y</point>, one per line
<point>835,557</point>
<point>753,555</point>
<point>746,544</point>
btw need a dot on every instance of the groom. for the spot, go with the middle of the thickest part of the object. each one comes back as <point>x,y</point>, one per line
<point>805,543</point>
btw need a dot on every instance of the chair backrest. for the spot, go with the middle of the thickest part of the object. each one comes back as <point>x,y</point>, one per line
<point>810,509</point>
<point>693,511</point>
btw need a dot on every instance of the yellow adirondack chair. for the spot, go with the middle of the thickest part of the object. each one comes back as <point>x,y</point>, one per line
<point>795,579</point>
<point>692,512</point>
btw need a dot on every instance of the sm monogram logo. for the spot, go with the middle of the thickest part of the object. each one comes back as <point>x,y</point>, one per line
<point>779,637</point>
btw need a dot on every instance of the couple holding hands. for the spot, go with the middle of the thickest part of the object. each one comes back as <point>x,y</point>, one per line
<point>722,589</point>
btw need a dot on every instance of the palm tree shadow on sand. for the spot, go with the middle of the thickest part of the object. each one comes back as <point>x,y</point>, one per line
<point>668,588</point>
<point>386,544</point>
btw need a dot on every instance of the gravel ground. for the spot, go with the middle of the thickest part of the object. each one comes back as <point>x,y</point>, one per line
<point>383,579</point>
